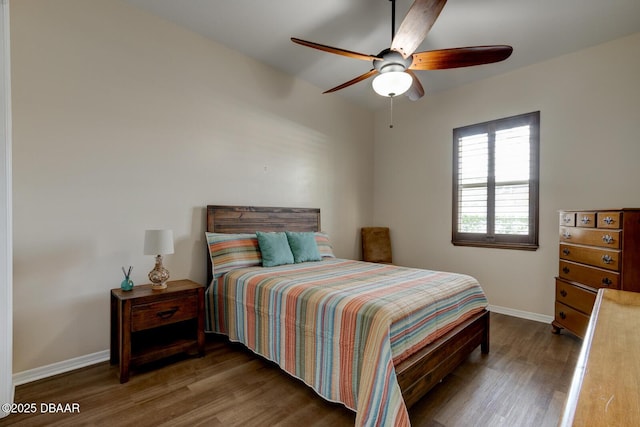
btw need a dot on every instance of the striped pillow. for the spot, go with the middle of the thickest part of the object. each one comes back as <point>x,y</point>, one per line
<point>231,251</point>
<point>324,246</point>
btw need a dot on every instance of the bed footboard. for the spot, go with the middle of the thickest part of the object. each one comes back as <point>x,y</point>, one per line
<point>422,371</point>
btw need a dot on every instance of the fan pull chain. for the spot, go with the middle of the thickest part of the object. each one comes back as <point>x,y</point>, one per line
<point>391,112</point>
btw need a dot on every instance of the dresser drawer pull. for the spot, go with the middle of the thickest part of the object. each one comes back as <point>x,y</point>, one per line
<point>166,314</point>
<point>607,282</point>
<point>566,234</point>
<point>607,259</point>
<point>585,220</point>
<point>567,219</point>
<point>563,293</point>
<point>562,315</point>
<point>566,251</point>
<point>609,220</point>
<point>565,270</point>
<point>607,239</point>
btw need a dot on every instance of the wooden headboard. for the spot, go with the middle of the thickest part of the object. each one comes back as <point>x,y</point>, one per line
<point>249,219</point>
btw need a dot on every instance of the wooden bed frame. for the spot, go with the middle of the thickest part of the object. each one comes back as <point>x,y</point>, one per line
<point>417,374</point>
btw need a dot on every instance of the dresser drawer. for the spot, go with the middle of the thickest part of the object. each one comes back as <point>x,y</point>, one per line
<point>604,258</point>
<point>585,236</point>
<point>590,276</point>
<point>571,319</point>
<point>146,316</point>
<point>568,219</point>
<point>611,219</point>
<point>575,296</point>
<point>586,219</point>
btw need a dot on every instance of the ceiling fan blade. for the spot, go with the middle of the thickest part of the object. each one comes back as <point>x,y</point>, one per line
<point>335,50</point>
<point>416,25</point>
<point>416,91</point>
<point>354,81</point>
<point>459,57</point>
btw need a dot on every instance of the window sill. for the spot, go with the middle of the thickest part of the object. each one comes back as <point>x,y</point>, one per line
<point>498,245</point>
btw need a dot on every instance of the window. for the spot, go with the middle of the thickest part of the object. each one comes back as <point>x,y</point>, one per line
<point>495,183</point>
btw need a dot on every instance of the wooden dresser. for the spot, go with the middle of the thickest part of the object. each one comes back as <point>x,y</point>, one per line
<point>604,390</point>
<point>598,249</point>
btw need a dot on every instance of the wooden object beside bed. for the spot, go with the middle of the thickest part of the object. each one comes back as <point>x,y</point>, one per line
<point>148,324</point>
<point>417,374</point>
<point>604,390</point>
<point>598,249</point>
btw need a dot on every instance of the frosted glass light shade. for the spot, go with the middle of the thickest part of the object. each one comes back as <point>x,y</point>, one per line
<point>158,242</point>
<point>392,83</point>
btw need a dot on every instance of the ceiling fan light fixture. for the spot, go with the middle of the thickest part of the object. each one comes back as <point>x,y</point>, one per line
<point>392,83</point>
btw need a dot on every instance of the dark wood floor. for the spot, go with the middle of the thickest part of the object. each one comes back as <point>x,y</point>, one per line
<point>521,382</point>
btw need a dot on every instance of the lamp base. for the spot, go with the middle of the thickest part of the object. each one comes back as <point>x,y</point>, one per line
<point>159,275</point>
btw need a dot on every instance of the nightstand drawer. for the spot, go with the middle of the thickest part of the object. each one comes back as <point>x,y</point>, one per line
<point>146,316</point>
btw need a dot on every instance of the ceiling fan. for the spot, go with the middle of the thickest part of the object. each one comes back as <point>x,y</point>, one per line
<point>394,67</point>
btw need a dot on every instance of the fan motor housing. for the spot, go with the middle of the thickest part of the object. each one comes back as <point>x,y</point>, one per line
<point>392,61</point>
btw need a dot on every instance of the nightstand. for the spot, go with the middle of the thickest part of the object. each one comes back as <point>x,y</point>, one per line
<point>147,325</point>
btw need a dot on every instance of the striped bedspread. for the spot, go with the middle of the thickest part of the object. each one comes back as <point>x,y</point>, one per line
<point>340,325</point>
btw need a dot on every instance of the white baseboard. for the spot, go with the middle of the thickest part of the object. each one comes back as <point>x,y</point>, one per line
<point>35,374</point>
<point>522,314</point>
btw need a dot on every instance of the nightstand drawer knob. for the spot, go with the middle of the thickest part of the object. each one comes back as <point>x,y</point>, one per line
<point>166,314</point>
<point>566,251</point>
<point>563,293</point>
<point>562,315</point>
<point>586,220</point>
<point>607,282</point>
<point>607,259</point>
<point>565,270</point>
<point>608,220</point>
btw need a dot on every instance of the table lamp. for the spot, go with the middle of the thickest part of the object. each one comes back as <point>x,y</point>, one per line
<point>158,243</point>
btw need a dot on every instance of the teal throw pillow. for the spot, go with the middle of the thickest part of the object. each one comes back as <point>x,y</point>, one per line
<point>274,248</point>
<point>303,246</point>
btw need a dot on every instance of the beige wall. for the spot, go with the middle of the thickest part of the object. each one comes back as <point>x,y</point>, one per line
<point>590,152</point>
<point>124,122</point>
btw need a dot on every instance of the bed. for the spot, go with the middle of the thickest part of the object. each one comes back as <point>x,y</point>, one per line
<point>355,332</point>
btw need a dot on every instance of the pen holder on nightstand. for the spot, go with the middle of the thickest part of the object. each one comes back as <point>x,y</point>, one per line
<point>126,285</point>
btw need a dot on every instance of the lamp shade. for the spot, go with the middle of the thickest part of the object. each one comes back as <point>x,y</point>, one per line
<point>158,242</point>
<point>392,83</point>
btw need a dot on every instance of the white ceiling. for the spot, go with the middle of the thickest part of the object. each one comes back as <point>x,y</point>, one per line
<point>537,30</point>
